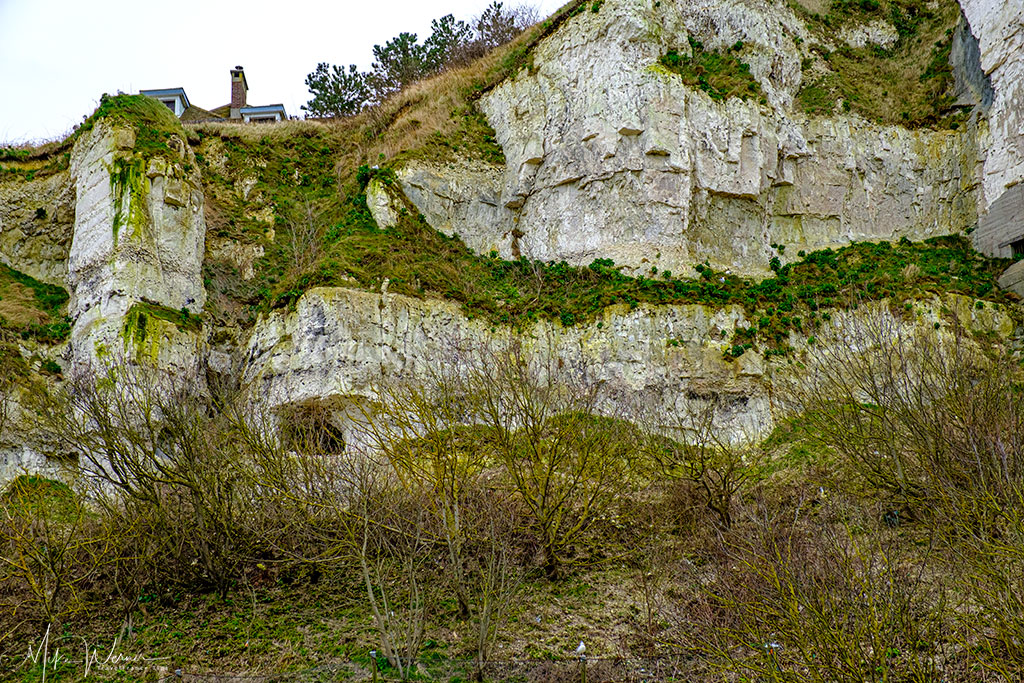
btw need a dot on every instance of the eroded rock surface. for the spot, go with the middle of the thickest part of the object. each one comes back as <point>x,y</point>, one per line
<point>36,224</point>
<point>138,238</point>
<point>611,156</point>
<point>662,361</point>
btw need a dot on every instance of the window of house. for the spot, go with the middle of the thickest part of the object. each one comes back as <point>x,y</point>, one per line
<point>169,103</point>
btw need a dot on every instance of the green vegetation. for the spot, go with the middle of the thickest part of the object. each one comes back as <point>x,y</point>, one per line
<point>323,237</point>
<point>128,186</point>
<point>909,83</point>
<point>874,536</point>
<point>402,61</point>
<point>35,494</point>
<point>419,261</point>
<point>720,74</point>
<point>31,163</point>
<point>32,309</point>
<point>154,124</point>
<point>136,321</point>
<point>299,168</point>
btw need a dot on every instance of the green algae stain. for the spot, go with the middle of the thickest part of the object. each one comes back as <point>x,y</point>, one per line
<point>128,186</point>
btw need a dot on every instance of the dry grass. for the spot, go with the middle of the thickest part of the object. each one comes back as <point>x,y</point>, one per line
<point>19,306</point>
<point>408,121</point>
<point>895,86</point>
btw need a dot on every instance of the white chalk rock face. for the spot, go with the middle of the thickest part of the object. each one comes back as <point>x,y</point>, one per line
<point>138,238</point>
<point>877,32</point>
<point>660,361</point>
<point>999,27</point>
<point>609,155</point>
<point>346,343</point>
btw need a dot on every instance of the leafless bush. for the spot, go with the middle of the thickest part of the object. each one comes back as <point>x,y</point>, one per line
<point>690,446</point>
<point>426,432</point>
<point>930,418</point>
<point>565,460</point>
<point>805,601</point>
<point>932,422</point>
<point>51,550</point>
<point>161,463</point>
<point>305,235</point>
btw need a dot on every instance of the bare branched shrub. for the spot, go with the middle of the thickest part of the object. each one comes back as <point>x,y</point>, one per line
<point>422,432</point>
<point>801,601</point>
<point>429,435</point>
<point>567,462</point>
<point>932,422</point>
<point>698,452</point>
<point>305,235</point>
<point>393,549</point>
<point>165,464</point>
<point>930,418</point>
<point>51,549</point>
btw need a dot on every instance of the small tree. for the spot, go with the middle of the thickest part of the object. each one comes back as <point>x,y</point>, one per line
<point>151,443</point>
<point>399,62</point>
<point>496,26</point>
<point>447,43</point>
<point>336,92</point>
<point>700,454</point>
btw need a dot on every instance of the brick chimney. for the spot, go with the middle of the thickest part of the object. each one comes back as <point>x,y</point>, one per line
<point>239,89</point>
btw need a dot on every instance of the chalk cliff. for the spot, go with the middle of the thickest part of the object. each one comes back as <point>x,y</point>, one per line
<point>608,155</point>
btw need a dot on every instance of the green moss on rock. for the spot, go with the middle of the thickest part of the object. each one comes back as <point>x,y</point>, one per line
<point>720,74</point>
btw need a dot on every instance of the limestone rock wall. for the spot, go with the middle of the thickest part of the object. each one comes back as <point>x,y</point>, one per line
<point>611,156</point>
<point>663,361</point>
<point>345,343</point>
<point>36,224</point>
<point>999,27</point>
<point>138,237</point>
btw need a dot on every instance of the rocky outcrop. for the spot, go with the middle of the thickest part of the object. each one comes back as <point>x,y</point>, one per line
<point>138,238</point>
<point>998,26</point>
<point>661,361</point>
<point>36,223</point>
<point>346,343</point>
<point>611,156</point>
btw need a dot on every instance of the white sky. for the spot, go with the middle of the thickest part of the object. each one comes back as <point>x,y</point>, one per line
<point>58,56</point>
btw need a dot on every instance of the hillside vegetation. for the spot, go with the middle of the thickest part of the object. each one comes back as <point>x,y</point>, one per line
<point>494,519</point>
<point>908,83</point>
<point>482,523</point>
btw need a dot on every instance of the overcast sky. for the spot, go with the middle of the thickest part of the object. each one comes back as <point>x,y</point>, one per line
<point>58,56</point>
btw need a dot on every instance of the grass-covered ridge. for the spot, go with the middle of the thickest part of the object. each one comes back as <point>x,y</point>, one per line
<point>909,83</point>
<point>154,124</point>
<point>720,74</point>
<point>152,121</point>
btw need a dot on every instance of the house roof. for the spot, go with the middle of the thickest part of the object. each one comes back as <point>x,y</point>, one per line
<point>264,109</point>
<point>196,114</point>
<point>167,92</point>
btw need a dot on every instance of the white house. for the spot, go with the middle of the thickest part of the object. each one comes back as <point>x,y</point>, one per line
<point>269,113</point>
<point>237,110</point>
<point>174,98</point>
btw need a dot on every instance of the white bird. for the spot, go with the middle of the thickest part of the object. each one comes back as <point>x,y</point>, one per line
<point>581,649</point>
